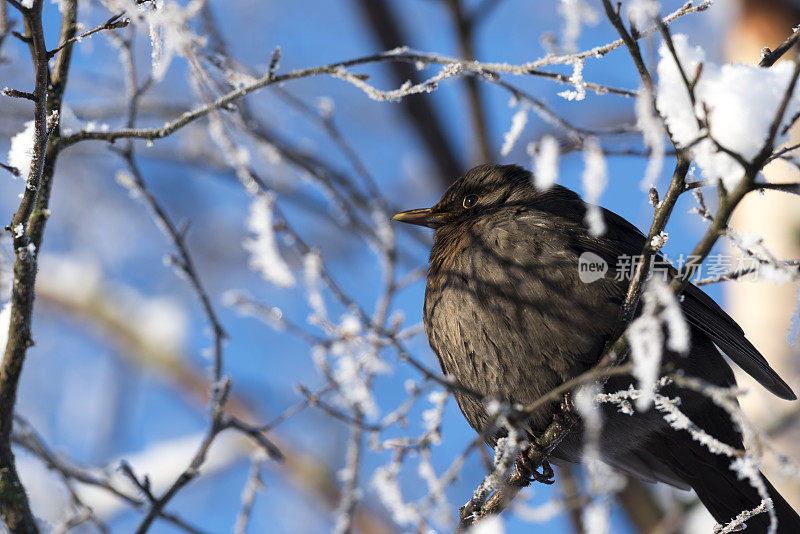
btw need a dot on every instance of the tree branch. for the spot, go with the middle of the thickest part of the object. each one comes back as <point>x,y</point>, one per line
<point>771,58</point>
<point>14,506</point>
<point>111,24</point>
<point>465,29</point>
<point>426,122</point>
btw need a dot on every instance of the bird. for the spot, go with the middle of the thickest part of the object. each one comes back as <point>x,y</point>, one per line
<point>509,317</point>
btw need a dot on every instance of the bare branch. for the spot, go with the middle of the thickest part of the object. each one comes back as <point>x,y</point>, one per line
<point>465,31</point>
<point>387,30</point>
<point>772,57</point>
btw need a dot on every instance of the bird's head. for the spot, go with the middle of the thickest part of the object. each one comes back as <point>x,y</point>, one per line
<point>481,190</point>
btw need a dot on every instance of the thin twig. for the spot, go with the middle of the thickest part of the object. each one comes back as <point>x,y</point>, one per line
<point>111,24</point>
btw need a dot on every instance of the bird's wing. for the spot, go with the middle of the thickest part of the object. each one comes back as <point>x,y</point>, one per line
<point>699,309</point>
<point>647,467</point>
<point>639,464</point>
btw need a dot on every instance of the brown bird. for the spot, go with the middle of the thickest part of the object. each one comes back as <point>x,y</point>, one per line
<point>508,316</point>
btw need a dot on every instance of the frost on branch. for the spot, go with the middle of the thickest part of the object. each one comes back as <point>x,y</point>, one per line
<point>168,27</point>
<point>545,163</point>
<point>126,180</point>
<point>263,247</point>
<point>385,478</point>
<point>432,417</point>
<point>21,151</point>
<point>745,465</point>
<point>671,413</point>
<point>542,513</point>
<point>642,12</point>
<point>312,271</point>
<point>354,367</point>
<point>604,481</point>
<point>646,336</point>
<point>350,362</point>
<point>738,101</point>
<point>491,525</point>
<point>518,122</point>
<point>505,452</point>
<point>659,240</point>
<point>577,81</point>
<point>738,521</point>
<point>595,178</point>
<point>70,123</point>
<point>387,486</point>
<point>653,133</point>
<point>427,86</point>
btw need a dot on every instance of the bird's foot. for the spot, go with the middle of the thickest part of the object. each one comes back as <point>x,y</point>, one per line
<point>528,464</point>
<point>532,462</point>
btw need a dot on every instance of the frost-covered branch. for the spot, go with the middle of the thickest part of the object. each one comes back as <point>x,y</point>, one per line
<point>739,520</point>
<point>113,23</point>
<point>337,69</point>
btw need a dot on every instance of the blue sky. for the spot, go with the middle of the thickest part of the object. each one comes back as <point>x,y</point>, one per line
<point>95,406</point>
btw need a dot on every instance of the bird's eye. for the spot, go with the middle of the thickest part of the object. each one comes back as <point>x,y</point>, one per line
<point>469,201</point>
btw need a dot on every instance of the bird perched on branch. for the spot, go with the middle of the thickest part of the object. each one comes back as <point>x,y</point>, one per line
<point>509,316</point>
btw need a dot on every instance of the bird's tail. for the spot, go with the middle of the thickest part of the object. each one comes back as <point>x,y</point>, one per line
<point>725,495</point>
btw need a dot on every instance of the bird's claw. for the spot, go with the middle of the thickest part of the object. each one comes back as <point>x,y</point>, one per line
<point>546,476</point>
<point>532,463</point>
<point>526,466</point>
